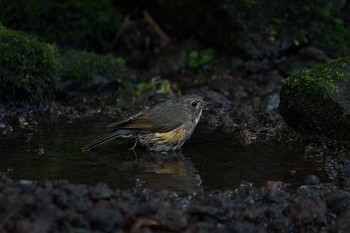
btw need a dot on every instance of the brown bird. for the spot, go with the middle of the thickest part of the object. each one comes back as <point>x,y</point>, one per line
<point>163,127</point>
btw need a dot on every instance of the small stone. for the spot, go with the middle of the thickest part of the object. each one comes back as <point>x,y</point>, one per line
<point>144,209</point>
<point>174,219</point>
<point>60,198</point>
<point>272,186</point>
<point>101,191</point>
<point>246,227</point>
<point>312,180</point>
<point>78,203</point>
<point>76,220</point>
<point>105,219</point>
<point>306,211</point>
<point>24,225</point>
<point>343,222</point>
<point>41,151</point>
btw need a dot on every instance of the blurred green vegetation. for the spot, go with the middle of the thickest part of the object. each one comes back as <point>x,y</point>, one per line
<point>196,60</point>
<point>27,67</point>
<point>259,28</point>
<point>82,68</point>
<point>88,24</point>
<point>284,24</point>
<point>31,70</point>
<point>155,85</point>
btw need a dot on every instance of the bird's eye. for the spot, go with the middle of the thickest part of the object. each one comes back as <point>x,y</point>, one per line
<point>194,104</point>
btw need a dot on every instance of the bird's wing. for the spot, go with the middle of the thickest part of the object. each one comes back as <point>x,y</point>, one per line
<point>156,119</point>
<point>125,122</point>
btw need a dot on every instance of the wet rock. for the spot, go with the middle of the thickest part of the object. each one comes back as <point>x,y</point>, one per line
<point>343,224</point>
<point>313,150</point>
<point>305,211</point>
<point>306,58</point>
<point>272,186</point>
<point>276,217</point>
<point>43,224</point>
<point>271,102</point>
<point>141,230</point>
<point>217,207</point>
<point>77,196</point>
<point>144,209</point>
<point>344,176</point>
<point>246,227</point>
<point>60,198</point>
<point>79,203</point>
<point>338,201</point>
<point>254,214</point>
<point>312,180</point>
<point>205,211</point>
<point>22,122</point>
<point>206,227</point>
<point>217,115</point>
<point>317,100</point>
<point>101,191</point>
<point>173,219</point>
<point>313,53</point>
<point>105,218</point>
<point>76,220</point>
<point>312,208</point>
<point>24,225</point>
<point>3,128</point>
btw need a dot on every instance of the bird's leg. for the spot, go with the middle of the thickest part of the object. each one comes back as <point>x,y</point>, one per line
<point>132,148</point>
<point>135,154</point>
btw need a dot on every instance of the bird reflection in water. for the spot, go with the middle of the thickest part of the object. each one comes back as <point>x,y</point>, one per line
<point>155,170</point>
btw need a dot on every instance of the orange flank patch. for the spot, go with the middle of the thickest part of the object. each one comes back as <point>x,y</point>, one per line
<point>177,135</point>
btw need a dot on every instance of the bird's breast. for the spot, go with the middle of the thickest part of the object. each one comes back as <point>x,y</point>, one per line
<point>168,141</point>
<point>175,136</point>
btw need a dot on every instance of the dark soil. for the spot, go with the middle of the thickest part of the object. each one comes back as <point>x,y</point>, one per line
<point>63,207</point>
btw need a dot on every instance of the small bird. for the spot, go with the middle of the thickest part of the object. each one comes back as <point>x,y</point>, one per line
<point>163,127</point>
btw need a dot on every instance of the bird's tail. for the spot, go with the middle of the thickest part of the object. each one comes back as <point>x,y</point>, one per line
<point>107,137</point>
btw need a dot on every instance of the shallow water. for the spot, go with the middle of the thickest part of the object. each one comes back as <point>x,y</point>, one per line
<point>207,161</point>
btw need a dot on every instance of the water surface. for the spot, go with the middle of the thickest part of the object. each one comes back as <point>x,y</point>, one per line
<point>208,160</point>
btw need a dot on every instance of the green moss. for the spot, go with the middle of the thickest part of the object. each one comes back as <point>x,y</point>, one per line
<point>81,68</point>
<point>320,80</point>
<point>317,100</point>
<point>196,60</point>
<point>89,24</point>
<point>27,67</point>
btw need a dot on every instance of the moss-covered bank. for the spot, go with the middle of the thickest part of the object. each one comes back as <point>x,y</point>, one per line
<point>33,71</point>
<point>83,69</point>
<point>27,67</point>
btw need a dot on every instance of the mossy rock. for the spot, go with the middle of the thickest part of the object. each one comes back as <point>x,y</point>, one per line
<point>318,99</point>
<point>83,70</point>
<point>90,25</point>
<point>27,67</point>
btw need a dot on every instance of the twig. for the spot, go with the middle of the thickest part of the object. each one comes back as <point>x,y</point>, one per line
<point>156,27</point>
